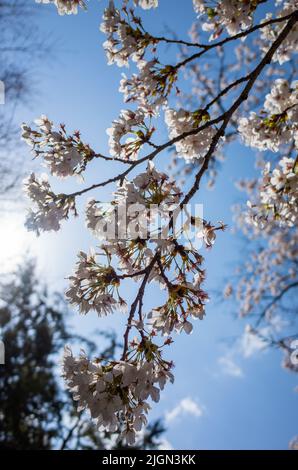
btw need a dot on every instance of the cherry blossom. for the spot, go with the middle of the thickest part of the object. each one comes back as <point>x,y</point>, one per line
<point>116,393</point>
<point>185,302</point>
<point>131,124</point>
<point>194,146</point>
<point>66,7</point>
<point>146,4</point>
<point>125,37</point>
<point>269,33</point>
<point>230,14</point>
<point>51,208</point>
<point>64,155</point>
<point>92,287</point>
<point>277,125</point>
<point>149,88</point>
<point>278,195</point>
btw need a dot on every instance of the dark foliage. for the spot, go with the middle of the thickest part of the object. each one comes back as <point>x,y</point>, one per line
<point>36,412</point>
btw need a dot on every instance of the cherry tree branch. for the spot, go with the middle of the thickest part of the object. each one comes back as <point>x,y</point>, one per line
<point>225,117</point>
<point>243,96</point>
<point>208,47</point>
<point>216,99</point>
<point>138,300</point>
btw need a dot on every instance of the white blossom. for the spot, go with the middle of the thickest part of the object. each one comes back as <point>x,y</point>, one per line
<point>132,124</point>
<point>149,88</point>
<point>65,7</point>
<point>278,196</point>
<point>139,202</point>
<point>174,315</point>
<point>115,393</point>
<point>64,155</point>
<point>207,233</point>
<point>92,287</point>
<point>278,124</point>
<point>99,218</point>
<point>146,4</point>
<point>194,146</point>
<point>51,209</point>
<point>233,15</point>
<point>125,39</point>
<point>269,33</point>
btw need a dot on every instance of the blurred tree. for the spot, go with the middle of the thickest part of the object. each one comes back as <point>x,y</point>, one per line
<point>35,410</point>
<point>21,49</point>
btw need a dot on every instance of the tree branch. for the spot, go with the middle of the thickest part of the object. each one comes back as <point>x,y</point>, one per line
<point>242,97</point>
<point>208,47</point>
<point>138,300</point>
<point>275,300</point>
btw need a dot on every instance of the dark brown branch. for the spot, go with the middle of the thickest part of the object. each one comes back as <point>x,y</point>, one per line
<point>163,275</point>
<point>242,97</point>
<point>138,300</point>
<point>208,47</point>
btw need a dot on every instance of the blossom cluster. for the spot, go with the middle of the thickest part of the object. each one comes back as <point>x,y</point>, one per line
<point>146,4</point>
<point>269,33</point>
<point>127,39</point>
<point>132,126</point>
<point>51,208</point>
<point>270,272</point>
<point>196,145</point>
<point>66,7</point>
<point>96,287</point>
<point>64,155</point>
<point>233,15</point>
<point>278,123</point>
<point>152,193</point>
<point>150,88</point>
<point>117,392</point>
<point>125,36</point>
<point>69,7</point>
<point>277,195</point>
<point>185,302</point>
<point>93,287</point>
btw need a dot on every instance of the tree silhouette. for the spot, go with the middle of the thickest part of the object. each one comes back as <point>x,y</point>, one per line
<point>36,413</point>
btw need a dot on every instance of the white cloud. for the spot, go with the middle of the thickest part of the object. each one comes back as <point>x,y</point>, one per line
<point>185,406</point>
<point>165,445</point>
<point>229,366</point>
<point>250,343</point>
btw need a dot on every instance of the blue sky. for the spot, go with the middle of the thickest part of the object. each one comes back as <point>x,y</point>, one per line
<point>231,403</point>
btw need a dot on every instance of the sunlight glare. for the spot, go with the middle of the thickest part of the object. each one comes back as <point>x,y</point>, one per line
<point>15,241</point>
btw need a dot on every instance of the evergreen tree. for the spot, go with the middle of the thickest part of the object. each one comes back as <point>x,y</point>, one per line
<point>36,412</point>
